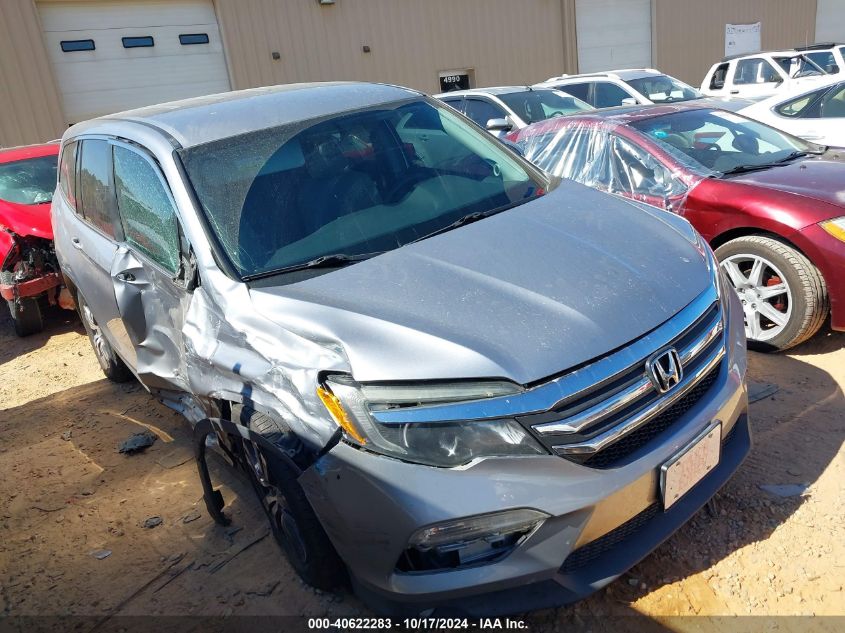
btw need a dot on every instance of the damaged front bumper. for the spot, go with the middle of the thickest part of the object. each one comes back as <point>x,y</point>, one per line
<point>599,523</point>
<point>30,287</point>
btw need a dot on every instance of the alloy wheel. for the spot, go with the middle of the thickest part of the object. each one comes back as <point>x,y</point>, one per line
<point>766,297</point>
<point>284,525</point>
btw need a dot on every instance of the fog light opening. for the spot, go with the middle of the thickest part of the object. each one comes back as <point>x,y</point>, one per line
<point>467,542</point>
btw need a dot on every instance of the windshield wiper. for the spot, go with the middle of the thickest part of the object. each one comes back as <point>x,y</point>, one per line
<point>333,260</point>
<point>470,218</point>
<point>740,169</point>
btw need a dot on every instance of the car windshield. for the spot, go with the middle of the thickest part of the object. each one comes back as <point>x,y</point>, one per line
<point>29,181</point>
<point>664,89</point>
<point>797,66</point>
<point>538,105</point>
<point>347,187</point>
<point>724,142</point>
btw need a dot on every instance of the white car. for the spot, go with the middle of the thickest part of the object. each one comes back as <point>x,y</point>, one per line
<point>759,75</point>
<point>816,114</point>
<point>830,56</point>
<point>504,109</point>
<point>630,86</point>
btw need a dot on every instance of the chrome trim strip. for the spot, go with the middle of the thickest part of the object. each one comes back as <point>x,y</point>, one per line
<point>701,344</point>
<point>603,409</point>
<point>599,442</point>
<point>547,395</point>
<point>578,422</point>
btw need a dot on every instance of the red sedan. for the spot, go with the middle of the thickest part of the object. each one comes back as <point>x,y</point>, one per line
<point>771,205</point>
<point>28,267</point>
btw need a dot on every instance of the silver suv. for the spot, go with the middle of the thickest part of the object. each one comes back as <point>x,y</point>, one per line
<point>461,384</point>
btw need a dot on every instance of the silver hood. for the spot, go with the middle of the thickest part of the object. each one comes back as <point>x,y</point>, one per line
<point>521,295</point>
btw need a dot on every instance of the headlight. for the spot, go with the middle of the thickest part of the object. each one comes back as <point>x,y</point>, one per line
<point>835,227</point>
<point>434,442</point>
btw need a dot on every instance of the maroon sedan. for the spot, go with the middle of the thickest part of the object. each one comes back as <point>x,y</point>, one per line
<point>771,205</point>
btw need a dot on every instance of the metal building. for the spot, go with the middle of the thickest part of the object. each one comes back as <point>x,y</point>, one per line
<point>62,61</point>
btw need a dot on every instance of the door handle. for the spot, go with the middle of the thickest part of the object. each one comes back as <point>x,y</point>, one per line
<point>125,276</point>
<point>76,243</point>
<point>734,92</point>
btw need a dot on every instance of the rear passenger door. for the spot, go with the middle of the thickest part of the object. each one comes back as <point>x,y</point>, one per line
<point>93,232</point>
<point>150,271</point>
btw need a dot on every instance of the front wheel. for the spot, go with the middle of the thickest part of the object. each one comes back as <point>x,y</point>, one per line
<point>26,313</point>
<point>784,297</point>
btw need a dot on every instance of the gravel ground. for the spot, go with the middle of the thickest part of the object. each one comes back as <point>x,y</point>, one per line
<point>73,510</point>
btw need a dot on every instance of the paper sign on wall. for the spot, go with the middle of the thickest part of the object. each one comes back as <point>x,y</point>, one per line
<point>742,38</point>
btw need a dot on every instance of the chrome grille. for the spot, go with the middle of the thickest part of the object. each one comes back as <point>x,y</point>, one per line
<point>621,412</point>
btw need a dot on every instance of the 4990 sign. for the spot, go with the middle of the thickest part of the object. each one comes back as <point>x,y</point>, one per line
<point>454,81</point>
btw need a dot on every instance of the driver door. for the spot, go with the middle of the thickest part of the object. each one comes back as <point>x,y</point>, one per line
<point>148,270</point>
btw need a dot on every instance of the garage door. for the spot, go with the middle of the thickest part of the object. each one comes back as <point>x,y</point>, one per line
<point>830,21</point>
<point>613,34</point>
<point>112,56</point>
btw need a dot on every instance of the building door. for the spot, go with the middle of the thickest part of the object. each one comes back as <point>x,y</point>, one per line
<point>830,21</point>
<point>115,55</point>
<point>613,34</point>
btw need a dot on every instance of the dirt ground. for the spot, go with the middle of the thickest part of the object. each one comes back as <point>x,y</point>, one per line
<point>67,497</point>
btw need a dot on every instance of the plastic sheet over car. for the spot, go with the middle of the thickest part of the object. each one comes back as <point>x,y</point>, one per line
<point>599,153</point>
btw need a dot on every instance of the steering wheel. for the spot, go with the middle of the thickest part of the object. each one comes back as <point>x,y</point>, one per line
<point>402,187</point>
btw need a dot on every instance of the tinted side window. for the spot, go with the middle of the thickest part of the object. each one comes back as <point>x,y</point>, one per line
<point>67,173</point>
<point>755,71</point>
<point>805,106</point>
<point>609,95</point>
<point>717,81</point>
<point>95,191</point>
<point>833,103</point>
<point>826,60</point>
<point>482,111</point>
<point>457,103</point>
<point>146,211</point>
<point>582,91</point>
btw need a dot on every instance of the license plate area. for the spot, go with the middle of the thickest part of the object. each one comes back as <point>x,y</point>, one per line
<point>690,465</point>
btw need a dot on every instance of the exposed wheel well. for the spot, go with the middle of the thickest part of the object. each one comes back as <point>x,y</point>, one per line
<point>746,231</point>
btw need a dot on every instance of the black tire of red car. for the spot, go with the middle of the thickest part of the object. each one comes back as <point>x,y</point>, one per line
<point>810,302</point>
<point>26,313</point>
<point>112,365</point>
<point>293,522</point>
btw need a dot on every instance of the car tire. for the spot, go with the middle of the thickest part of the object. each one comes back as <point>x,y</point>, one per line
<point>802,307</point>
<point>26,313</point>
<point>112,365</point>
<point>294,524</point>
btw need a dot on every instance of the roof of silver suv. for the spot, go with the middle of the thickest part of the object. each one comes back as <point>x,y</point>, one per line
<point>203,119</point>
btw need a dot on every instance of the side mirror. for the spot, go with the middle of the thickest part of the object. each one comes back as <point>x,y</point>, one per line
<point>629,101</point>
<point>499,125</point>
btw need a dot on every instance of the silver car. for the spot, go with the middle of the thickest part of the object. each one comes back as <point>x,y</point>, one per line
<point>461,385</point>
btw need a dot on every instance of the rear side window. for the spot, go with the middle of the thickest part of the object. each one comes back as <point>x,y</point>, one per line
<point>805,106</point>
<point>95,185</point>
<point>717,81</point>
<point>146,210</point>
<point>67,173</point>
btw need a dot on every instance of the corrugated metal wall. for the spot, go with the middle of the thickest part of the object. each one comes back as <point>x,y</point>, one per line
<point>689,35</point>
<point>29,102</point>
<point>504,41</point>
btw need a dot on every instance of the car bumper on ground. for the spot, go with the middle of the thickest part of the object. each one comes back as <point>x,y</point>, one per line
<point>601,521</point>
<point>828,254</point>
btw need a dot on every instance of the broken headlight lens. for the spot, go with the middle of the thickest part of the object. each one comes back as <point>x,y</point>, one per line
<point>435,443</point>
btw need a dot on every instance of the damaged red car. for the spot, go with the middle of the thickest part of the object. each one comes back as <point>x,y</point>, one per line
<point>29,273</point>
